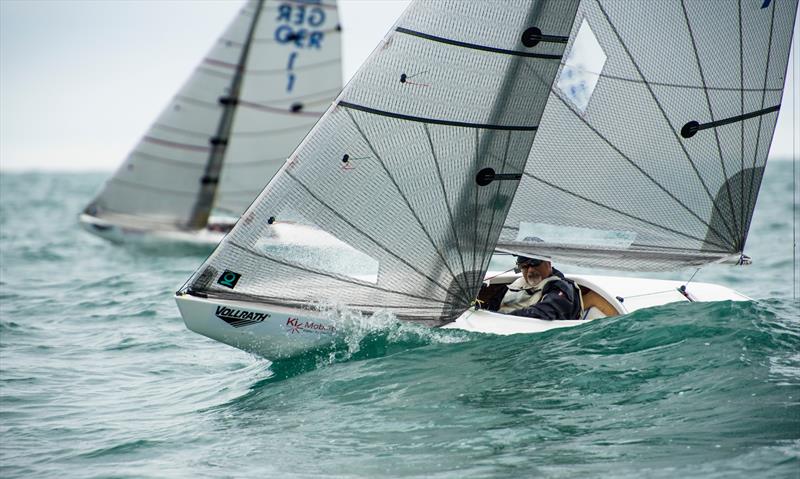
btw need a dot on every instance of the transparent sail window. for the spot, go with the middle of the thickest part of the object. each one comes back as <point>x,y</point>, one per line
<point>317,250</point>
<point>582,68</point>
<point>572,235</point>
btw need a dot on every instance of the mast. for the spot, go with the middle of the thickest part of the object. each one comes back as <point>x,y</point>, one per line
<point>219,142</point>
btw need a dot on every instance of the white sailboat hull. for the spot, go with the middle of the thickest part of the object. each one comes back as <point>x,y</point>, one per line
<point>117,233</point>
<point>276,332</point>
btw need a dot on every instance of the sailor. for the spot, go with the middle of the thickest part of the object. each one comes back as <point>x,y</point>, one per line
<point>542,292</point>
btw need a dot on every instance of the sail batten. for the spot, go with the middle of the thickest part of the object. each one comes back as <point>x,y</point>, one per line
<point>450,41</point>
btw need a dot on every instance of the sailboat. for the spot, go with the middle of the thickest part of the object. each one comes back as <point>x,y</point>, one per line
<point>262,86</point>
<point>599,133</point>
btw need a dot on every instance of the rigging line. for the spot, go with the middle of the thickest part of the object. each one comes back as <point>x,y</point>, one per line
<point>433,121</point>
<point>408,204</point>
<point>475,210</point>
<point>496,194</point>
<point>282,70</point>
<point>475,46</point>
<point>741,112</point>
<point>336,277</point>
<point>711,114</point>
<point>666,118</point>
<point>692,277</point>
<point>750,194</point>
<point>596,203</point>
<point>638,168</point>
<point>357,229</point>
<point>444,194</point>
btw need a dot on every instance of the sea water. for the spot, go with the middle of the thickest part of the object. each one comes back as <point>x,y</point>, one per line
<point>100,378</point>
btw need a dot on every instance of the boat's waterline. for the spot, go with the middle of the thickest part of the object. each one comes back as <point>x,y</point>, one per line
<point>276,332</point>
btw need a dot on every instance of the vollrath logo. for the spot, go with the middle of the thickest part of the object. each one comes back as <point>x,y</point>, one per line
<point>239,317</point>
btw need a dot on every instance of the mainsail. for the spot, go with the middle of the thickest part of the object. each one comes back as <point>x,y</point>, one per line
<point>653,145</point>
<point>396,198</point>
<point>259,90</point>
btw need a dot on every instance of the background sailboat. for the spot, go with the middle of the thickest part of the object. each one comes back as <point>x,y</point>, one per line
<point>441,150</point>
<point>231,126</point>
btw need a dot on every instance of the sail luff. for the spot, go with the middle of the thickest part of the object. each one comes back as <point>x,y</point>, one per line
<point>210,179</point>
<point>755,183</point>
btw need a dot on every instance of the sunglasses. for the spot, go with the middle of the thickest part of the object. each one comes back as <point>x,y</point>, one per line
<point>527,264</point>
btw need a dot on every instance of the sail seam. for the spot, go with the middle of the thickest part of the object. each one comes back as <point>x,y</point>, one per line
<point>675,133</point>
<point>333,276</point>
<point>475,46</point>
<point>169,161</point>
<point>597,203</point>
<point>433,121</point>
<point>181,131</point>
<point>760,121</point>
<point>276,71</point>
<point>408,205</point>
<point>240,134</point>
<point>711,114</point>
<point>175,144</point>
<point>355,228</point>
<point>444,195</point>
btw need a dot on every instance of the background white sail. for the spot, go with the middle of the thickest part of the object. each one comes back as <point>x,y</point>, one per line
<point>616,178</point>
<point>380,205</point>
<point>291,71</point>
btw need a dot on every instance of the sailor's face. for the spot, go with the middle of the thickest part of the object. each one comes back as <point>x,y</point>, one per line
<point>535,274</point>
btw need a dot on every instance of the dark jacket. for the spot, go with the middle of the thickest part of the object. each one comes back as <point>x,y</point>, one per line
<point>560,300</point>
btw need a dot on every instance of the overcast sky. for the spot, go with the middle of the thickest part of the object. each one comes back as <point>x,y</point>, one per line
<point>80,81</point>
